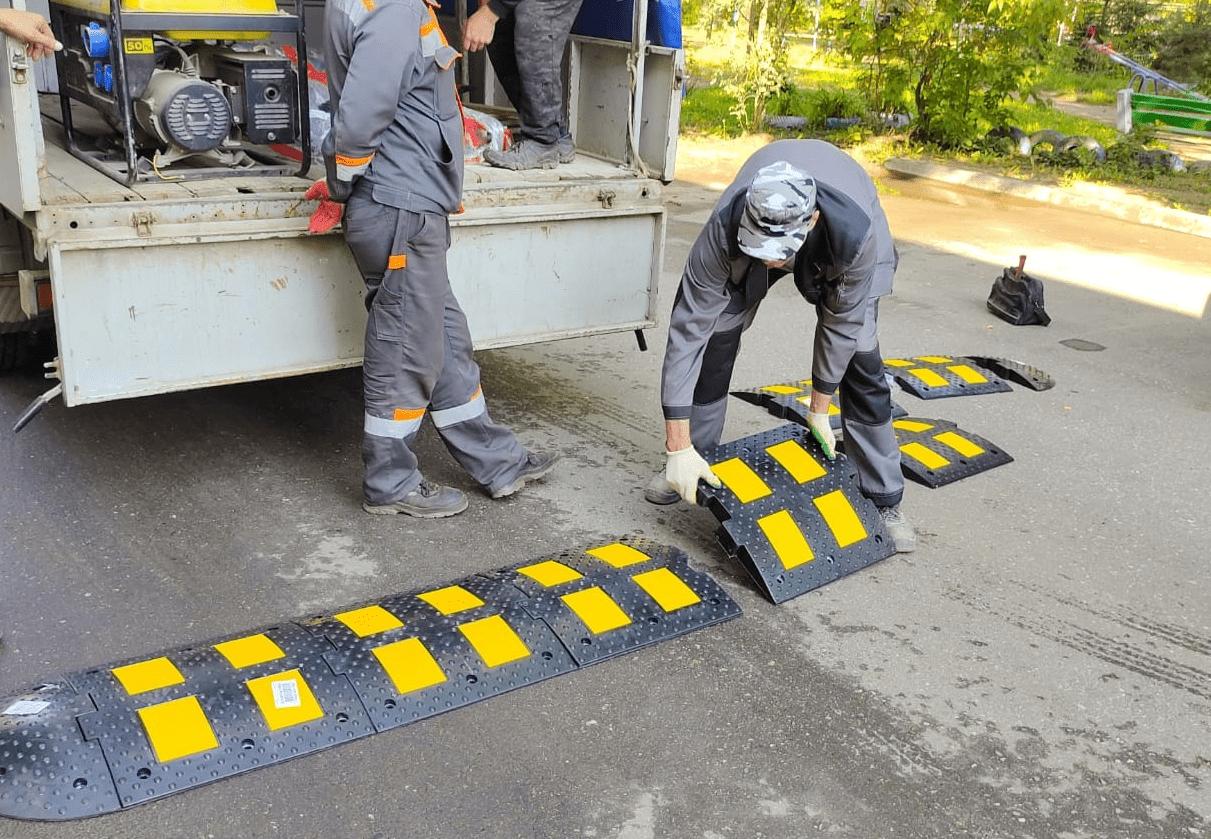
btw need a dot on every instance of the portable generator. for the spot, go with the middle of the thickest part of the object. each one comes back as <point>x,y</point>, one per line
<point>184,88</point>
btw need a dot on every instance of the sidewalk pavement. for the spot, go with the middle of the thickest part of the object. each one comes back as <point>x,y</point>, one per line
<point>1093,198</point>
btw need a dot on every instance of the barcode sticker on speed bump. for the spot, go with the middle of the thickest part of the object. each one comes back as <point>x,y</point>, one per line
<point>145,728</point>
<point>811,527</point>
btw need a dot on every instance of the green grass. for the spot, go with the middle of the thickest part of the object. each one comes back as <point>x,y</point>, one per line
<point>1032,117</point>
<point>1085,76</point>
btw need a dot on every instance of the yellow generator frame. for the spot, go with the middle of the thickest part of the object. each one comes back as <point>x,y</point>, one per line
<point>101,8</point>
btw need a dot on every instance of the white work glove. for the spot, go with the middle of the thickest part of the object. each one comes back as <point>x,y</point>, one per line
<point>684,468</point>
<point>822,430</point>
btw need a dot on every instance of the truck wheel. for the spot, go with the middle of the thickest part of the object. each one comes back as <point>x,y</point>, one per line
<point>10,351</point>
<point>25,349</point>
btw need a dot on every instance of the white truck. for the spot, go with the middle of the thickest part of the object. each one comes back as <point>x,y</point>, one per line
<point>158,273</point>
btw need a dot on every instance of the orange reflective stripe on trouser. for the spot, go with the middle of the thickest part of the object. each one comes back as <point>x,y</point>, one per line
<point>396,261</point>
<point>403,423</point>
<point>471,409</point>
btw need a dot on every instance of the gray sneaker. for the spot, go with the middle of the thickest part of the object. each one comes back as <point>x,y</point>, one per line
<point>536,466</point>
<point>902,534</point>
<point>566,149</point>
<point>660,491</point>
<point>427,501</point>
<point>527,154</point>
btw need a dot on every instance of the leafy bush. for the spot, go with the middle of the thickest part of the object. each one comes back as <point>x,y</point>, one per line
<point>955,60</point>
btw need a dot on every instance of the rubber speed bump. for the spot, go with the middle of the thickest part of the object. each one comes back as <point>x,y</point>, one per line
<point>795,520</point>
<point>1016,372</point>
<point>416,655</point>
<point>936,452</point>
<point>937,376</point>
<point>616,597</point>
<point>113,737</point>
<point>210,711</point>
<point>790,401</point>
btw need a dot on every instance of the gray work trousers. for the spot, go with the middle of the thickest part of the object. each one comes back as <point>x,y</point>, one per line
<point>527,55</point>
<point>418,356</point>
<point>866,421</point>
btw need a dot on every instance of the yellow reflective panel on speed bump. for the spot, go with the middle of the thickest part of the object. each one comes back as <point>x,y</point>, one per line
<point>810,526</point>
<point>148,675</point>
<point>177,728</point>
<point>937,452</point>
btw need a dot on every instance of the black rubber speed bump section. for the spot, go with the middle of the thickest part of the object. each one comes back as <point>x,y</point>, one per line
<point>789,401</point>
<point>793,519</point>
<point>937,452</point>
<point>614,598</point>
<point>1016,372</point>
<point>191,716</point>
<point>416,655</point>
<point>140,729</point>
<point>937,376</point>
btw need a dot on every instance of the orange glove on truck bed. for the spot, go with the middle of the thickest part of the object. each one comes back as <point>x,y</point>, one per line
<point>328,214</point>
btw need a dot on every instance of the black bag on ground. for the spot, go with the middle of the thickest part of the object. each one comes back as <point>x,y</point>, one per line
<point>1017,297</point>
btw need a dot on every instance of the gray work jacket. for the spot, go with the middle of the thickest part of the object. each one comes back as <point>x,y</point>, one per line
<point>848,259</point>
<point>396,120</point>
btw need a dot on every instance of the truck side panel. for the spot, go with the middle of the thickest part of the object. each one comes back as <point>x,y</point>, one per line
<point>148,320</point>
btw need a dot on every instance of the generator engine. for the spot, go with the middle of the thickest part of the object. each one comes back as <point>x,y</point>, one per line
<point>203,88</point>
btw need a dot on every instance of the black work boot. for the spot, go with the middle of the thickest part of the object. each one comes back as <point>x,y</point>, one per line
<point>427,501</point>
<point>535,467</point>
<point>527,154</point>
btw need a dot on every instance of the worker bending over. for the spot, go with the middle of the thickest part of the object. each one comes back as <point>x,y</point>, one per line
<point>802,208</point>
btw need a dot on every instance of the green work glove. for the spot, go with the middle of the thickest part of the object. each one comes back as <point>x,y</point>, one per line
<point>822,430</point>
<point>684,468</point>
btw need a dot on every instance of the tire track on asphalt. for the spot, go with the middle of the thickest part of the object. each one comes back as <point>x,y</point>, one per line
<point>1161,666</point>
<point>1178,636</point>
<point>552,394</point>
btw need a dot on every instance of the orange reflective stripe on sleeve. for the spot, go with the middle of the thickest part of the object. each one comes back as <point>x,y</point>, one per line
<point>345,160</point>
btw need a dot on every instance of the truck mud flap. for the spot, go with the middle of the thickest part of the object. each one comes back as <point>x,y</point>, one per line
<point>937,376</point>
<point>937,452</point>
<point>789,401</point>
<point>793,519</point>
<point>112,737</point>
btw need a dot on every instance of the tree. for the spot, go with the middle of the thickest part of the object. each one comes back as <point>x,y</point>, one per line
<point>953,62</point>
<point>1184,46</point>
<point>759,69</point>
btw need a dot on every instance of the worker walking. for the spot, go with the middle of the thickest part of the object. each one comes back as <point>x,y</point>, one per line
<point>394,157</point>
<point>802,208</point>
<point>525,40</point>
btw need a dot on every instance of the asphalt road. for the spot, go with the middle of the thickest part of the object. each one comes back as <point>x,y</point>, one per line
<point>1039,668</point>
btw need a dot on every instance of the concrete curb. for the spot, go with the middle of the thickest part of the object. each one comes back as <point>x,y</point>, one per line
<point>1102,200</point>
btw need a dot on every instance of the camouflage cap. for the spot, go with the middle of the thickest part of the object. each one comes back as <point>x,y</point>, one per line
<point>777,212</point>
